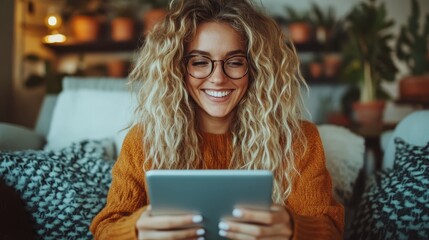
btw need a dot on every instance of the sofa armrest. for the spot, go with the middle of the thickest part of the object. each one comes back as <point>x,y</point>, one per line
<point>15,138</point>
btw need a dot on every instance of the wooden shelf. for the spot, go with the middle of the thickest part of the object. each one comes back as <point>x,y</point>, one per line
<point>423,103</point>
<point>308,47</point>
<point>322,81</point>
<point>314,46</point>
<point>101,46</point>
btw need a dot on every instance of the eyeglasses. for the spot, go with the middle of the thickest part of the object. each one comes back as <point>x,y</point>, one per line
<point>201,67</point>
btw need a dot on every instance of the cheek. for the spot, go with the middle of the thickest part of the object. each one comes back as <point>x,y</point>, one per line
<point>188,84</point>
<point>244,85</point>
<point>191,86</point>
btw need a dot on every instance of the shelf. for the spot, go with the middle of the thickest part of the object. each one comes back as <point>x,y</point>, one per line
<point>314,46</point>
<point>322,81</point>
<point>422,102</point>
<point>101,46</point>
<point>308,47</point>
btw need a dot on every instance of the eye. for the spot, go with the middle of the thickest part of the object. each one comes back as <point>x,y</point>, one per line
<point>236,62</point>
<point>199,62</point>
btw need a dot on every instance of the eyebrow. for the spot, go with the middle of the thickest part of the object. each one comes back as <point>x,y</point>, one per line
<point>204,53</point>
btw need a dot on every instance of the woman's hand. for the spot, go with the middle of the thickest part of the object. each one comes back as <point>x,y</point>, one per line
<point>168,227</point>
<point>256,224</point>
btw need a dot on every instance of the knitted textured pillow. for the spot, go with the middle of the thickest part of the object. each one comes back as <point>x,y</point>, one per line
<point>344,152</point>
<point>62,190</point>
<point>395,204</point>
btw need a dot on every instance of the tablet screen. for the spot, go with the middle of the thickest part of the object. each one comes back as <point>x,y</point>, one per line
<point>211,193</point>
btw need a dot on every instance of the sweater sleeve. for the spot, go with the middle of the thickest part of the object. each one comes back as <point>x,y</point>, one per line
<point>315,213</point>
<point>127,197</point>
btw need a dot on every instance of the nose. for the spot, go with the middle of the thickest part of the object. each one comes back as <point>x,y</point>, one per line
<point>218,76</point>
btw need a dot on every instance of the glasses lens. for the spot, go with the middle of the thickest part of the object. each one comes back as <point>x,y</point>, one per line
<point>235,67</point>
<point>199,66</point>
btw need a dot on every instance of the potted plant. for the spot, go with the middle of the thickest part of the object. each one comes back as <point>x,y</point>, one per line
<point>122,25</point>
<point>315,67</point>
<point>413,49</point>
<point>85,17</point>
<point>368,59</point>
<point>155,13</point>
<point>329,33</point>
<point>324,21</point>
<point>299,25</point>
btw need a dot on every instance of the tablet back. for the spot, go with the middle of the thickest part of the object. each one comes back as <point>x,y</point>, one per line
<point>210,193</point>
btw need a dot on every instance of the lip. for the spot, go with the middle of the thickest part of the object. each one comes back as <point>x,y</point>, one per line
<point>218,99</point>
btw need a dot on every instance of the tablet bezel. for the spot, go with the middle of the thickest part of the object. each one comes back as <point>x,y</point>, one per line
<point>210,193</point>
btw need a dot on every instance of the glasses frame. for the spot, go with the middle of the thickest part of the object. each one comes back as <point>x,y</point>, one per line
<point>186,58</point>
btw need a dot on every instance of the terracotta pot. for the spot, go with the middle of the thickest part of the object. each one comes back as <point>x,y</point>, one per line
<point>152,17</point>
<point>300,32</point>
<point>316,70</point>
<point>338,118</point>
<point>85,28</point>
<point>368,113</point>
<point>414,88</point>
<point>122,29</point>
<point>322,34</point>
<point>332,64</point>
<point>117,68</point>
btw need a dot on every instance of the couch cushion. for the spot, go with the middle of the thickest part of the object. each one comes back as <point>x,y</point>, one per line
<point>411,158</point>
<point>413,129</point>
<point>395,204</point>
<point>91,109</point>
<point>62,190</point>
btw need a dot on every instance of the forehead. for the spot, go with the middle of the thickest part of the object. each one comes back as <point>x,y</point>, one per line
<point>217,39</point>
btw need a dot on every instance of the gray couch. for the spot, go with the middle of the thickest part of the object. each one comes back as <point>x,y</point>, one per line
<point>87,108</point>
<point>61,170</point>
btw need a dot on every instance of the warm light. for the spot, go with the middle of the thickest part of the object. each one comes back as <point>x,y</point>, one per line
<point>54,38</point>
<point>53,21</point>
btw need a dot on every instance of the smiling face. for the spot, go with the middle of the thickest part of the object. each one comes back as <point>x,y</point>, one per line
<point>216,95</point>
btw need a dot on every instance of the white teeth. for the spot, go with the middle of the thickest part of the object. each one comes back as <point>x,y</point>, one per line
<point>217,94</point>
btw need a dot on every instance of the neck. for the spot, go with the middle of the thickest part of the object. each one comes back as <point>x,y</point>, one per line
<point>215,125</point>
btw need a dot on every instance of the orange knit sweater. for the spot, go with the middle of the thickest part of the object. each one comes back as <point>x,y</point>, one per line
<point>315,214</point>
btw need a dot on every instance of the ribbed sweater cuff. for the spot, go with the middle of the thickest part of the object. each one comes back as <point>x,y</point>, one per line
<point>320,227</point>
<point>124,228</point>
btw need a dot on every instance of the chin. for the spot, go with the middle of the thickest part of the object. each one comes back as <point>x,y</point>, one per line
<point>218,113</point>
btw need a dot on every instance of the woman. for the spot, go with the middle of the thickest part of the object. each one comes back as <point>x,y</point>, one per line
<point>220,89</point>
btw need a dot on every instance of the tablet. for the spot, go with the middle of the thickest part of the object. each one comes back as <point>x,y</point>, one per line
<point>211,193</point>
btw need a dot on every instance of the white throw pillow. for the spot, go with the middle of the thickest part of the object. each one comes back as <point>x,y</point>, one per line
<point>344,153</point>
<point>90,114</point>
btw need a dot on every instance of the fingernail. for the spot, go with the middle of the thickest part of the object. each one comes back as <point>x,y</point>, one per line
<point>197,219</point>
<point>222,233</point>
<point>201,231</point>
<point>223,226</point>
<point>237,213</point>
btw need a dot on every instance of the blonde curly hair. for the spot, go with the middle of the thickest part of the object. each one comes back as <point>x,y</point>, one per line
<point>267,120</point>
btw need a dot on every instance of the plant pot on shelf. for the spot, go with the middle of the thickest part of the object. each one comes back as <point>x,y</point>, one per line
<point>152,17</point>
<point>117,68</point>
<point>414,88</point>
<point>85,28</point>
<point>368,113</point>
<point>300,32</point>
<point>122,29</point>
<point>332,64</point>
<point>322,34</point>
<point>316,70</point>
